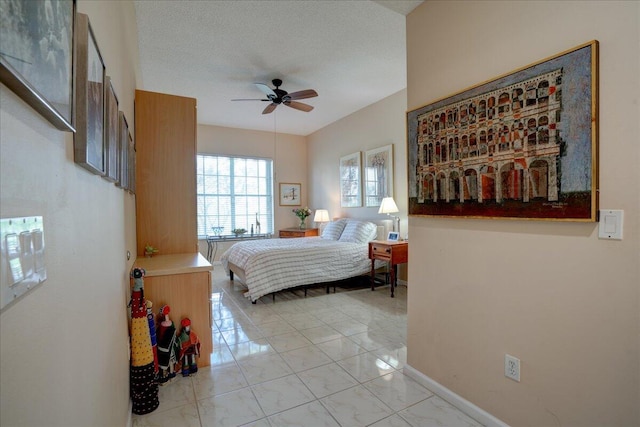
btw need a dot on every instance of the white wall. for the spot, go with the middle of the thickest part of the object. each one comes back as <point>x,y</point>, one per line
<point>375,126</point>
<point>550,293</point>
<point>63,347</point>
<point>289,153</point>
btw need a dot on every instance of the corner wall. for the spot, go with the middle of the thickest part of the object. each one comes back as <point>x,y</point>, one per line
<point>64,346</point>
<point>550,293</point>
<point>375,126</point>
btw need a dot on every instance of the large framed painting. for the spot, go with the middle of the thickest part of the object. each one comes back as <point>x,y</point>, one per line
<point>378,175</point>
<point>36,56</point>
<point>350,193</point>
<point>89,140</point>
<point>521,146</point>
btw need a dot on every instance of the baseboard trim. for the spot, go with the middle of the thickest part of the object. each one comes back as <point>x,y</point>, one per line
<point>459,402</point>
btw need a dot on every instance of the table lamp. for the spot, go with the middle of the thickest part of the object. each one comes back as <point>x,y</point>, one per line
<point>388,206</point>
<point>321,216</point>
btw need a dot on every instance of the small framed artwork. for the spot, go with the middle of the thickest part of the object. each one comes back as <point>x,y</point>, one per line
<point>378,175</point>
<point>350,195</point>
<point>521,146</point>
<point>89,141</point>
<point>289,194</point>
<point>111,133</point>
<point>393,236</point>
<point>132,166</point>
<point>123,152</point>
<point>36,56</point>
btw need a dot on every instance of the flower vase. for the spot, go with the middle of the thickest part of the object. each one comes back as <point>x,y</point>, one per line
<point>302,223</point>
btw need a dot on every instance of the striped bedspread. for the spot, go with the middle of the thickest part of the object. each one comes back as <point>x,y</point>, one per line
<point>277,264</point>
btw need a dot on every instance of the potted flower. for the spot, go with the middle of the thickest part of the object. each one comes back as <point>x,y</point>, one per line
<point>302,214</point>
<point>150,250</point>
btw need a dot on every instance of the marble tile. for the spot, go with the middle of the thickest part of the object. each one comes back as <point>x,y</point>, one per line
<point>216,381</point>
<point>235,336</point>
<point>349,327</point>
<point>177,392</point>
<point>230,409</point>
<point>277,327</point>
<point>327,379</point>
<point>302,321</point>
<point>184,416</point>
<point>397,390</point>
<point>288,341</point>
<point>370,340</point>
<point>251,348</point>
<point>321,334</point>
<point>365,367</point>
<point>396,357</point>
<point>436,412</point>
<point>221,356</point>
<point>356,407</point>
<point>340,348</point>
<point>235,322</point>
<point>260,423</point>
<point>309,415</point>
<point>281,394</point>
<point>305,358</point>
<point>393,421</point>
<point>257,369</point>
<point>263,316</point>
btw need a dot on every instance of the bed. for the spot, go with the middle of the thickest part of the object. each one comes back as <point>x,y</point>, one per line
<point>269,266</point>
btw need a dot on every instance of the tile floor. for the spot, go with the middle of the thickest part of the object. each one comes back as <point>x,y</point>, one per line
<point>324,360</point>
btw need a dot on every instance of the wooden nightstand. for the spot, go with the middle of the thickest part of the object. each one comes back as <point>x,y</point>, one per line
<point>393,252</point>
<point>296,232</point>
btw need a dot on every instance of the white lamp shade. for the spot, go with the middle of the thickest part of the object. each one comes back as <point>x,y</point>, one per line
<point>322,215</point>
<point>388,206</point>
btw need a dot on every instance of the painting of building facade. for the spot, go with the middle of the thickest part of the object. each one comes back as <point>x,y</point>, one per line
<point>520,146</point>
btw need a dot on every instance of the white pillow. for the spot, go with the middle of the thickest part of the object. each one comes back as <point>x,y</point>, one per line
<point>333,230</point>
<point>359,232</point>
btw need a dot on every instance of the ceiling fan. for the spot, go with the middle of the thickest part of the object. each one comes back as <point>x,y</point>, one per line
<point>278,96</point>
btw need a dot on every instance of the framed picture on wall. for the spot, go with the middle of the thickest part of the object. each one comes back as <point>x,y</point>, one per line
<point>36,56</point>
<point>123,152</point>
<point>111,133</point>
<point>350,193</point>
<point>520,146</point>
<point>289,194</point>
<point>89,141</point>
<point>378,175</point>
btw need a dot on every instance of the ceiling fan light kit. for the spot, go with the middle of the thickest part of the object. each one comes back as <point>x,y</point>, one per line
<point>279,96</point>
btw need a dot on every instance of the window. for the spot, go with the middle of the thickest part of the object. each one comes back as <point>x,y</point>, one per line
<point>234,192</point>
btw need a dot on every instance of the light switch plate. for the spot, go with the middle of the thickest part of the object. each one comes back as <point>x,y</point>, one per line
<point>611,222</point>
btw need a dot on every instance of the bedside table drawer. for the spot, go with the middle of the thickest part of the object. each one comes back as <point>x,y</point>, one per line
<point>381,251</point>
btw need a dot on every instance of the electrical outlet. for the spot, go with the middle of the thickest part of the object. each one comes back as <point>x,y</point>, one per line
<point>512,367</point>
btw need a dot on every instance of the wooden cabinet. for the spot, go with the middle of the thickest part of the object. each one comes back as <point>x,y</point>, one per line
<point>179,276</point>
<point>183,282</point>
<point>165,129</point>
<point>392,252</point>
<point>296,232</point>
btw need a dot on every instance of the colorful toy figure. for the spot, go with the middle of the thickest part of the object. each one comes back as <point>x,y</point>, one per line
<point>144,390</point>
<point>190,349</point>
<point>168,347</point>
<point>152,331</point>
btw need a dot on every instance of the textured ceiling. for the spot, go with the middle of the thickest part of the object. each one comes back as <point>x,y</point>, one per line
<point>351,52</point>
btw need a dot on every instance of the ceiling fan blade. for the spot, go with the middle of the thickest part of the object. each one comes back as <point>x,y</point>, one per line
<point>265,89</point>
<point>269,108</point>
<point>302,94</point>
<point>298,106</point>
<point>250,99</point>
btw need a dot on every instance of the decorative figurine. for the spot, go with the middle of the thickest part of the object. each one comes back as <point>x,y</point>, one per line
<point>190,348</point>
<point>143,388</point>
<point>168,347</point>
<point>257,224</point>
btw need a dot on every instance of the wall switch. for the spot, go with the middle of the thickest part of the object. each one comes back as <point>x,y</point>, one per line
<point>512,367</point>
<point>611,224</point>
